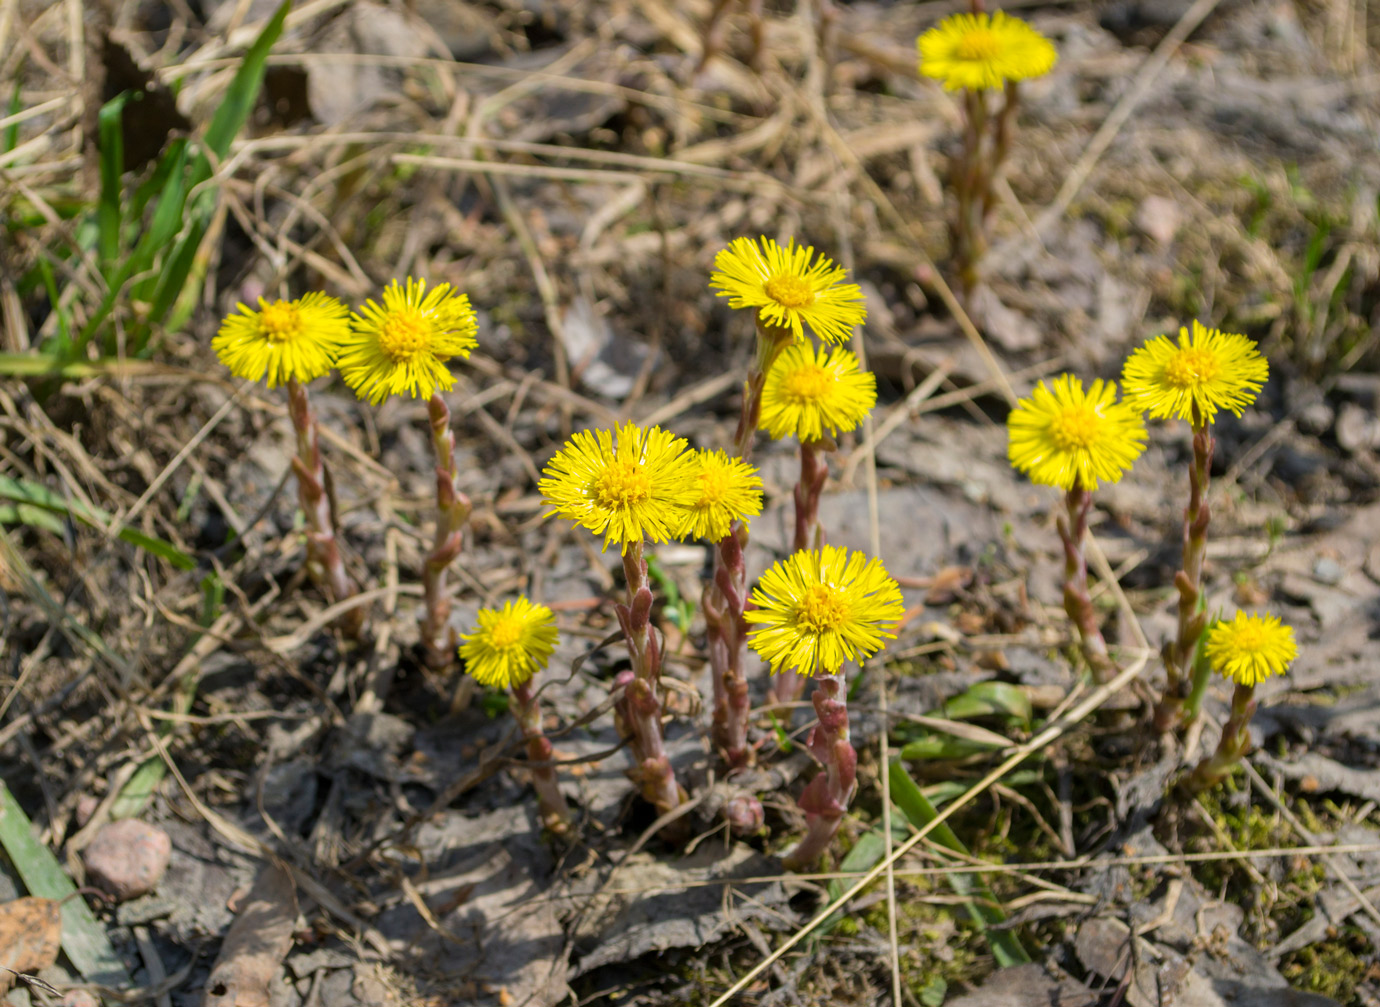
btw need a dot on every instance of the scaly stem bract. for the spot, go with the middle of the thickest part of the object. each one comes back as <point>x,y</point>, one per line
<point>452,511</point>
<point>555,815</point>
<point>814,471</point>
<point>639,711</point>
<point>725,597</point>
<point>826,798</point>
<point>324,564</point>
<point>1179,656</point>
<point>1073,529</point>
<point>1235,743</point>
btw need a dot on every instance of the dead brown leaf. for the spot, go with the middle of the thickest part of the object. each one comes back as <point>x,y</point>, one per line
<point>258,940</point>
<point>30,937</point>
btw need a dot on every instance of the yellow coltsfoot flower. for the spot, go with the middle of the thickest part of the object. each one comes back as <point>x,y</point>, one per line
<point>1205,371</point>
<point>812,392</point>
<point>1250,648</point>
<point>1062,436</point>
<point>283,340</point>
<point>726,490</point>
<point>982,52</point>
<point>627,484</point>
<point>787,290</point>
<point>402,346</point>
<point>818,608</point>
<point>510,645</point>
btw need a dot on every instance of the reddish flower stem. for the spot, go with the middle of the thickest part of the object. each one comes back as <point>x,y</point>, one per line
<point>1233,745</point>
<point>1178,657</point>
<point>789,686</point>
<point>725,597</point>
<point>826,797</point>
<point>452,512</point>
<point>324,564</point>
<point>1073,529</point>
<point>639,711</point>
<point>555,815</point>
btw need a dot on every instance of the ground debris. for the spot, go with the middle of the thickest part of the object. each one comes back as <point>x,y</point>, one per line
<point>251,958</point>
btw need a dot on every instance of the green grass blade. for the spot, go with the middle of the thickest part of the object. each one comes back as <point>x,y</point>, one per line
<point>34,517</point>
<point>24,492</point>
<point>61,346</point>
<point>982,905</point>
<point>243,91</point>
<point>10,140</point>
<point>83,938</point>
<point>109,218</point>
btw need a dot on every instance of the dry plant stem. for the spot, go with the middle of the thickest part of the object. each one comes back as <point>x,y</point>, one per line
<point>324,565</point>
<point>725,598</point>
<point>1073,528</point>
<point>1235,743</point>
<point>1178,657</point>
<point>554,813</point>
<point>825,799</point>
<point>452,511</point>
<point>639,711</point>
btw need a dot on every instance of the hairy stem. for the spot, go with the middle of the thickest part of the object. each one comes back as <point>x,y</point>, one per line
<point>725,597</point>
<point>1178,657</point>
<point>555,815</point>
<point>324,564</point>
<point>789,686</point>
<point>826,797</point>
<point>639,711</point>
<point>452,511</point>
<point>1234,743</point>
<point>1073,529</point>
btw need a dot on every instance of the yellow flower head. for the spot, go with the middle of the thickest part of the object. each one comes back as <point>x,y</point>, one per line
<point>982,52</point>
<point>726,490</point>
<point>817,609</point>
<point>1062,436</point>
<point>401,347</point>
<point>510,645</point>
<point>1207,371</point>
<point>284,340</point>
<point>627,484</point>
<point>1250,648</point>
<point>809,392</point>
<point>787,290</point>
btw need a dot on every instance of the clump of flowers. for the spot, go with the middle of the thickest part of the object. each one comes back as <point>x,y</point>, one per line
<point>1245,650</point>
<point>1069,438</point>
<point>292,343</point>
<point>1195,378</point>
<point>631,485</point>
<point>505,651</point>
<point>788,289</point>
<point>977,54</point>
<point>813,612</point>
<point>814,394</point>
<point>400,347</point>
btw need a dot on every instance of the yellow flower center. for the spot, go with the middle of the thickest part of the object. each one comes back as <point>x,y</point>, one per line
<point>1190,367</point>
<point>504,633</point>
<point>791,291</point>
<point>1075,428</point>
<point>808,383</point>
<point>822,609</point>
<point>280,322</point>
<point>713,486</point>
<point>622,484</point>
<point>979,45</point>
<point>1249,638</point>
<point>405,335</point>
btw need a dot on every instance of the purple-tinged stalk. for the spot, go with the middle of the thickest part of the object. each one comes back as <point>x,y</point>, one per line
<point>555,815</point>
<point>639,709</point>
<point>1073,530</point>
<point>452,512</point>
<point>324,563</point>
<point>1234,744</point>
<point>826,798</point>
<point>1179,656</point>
<point>725,598</point>
<point>789,686</point>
